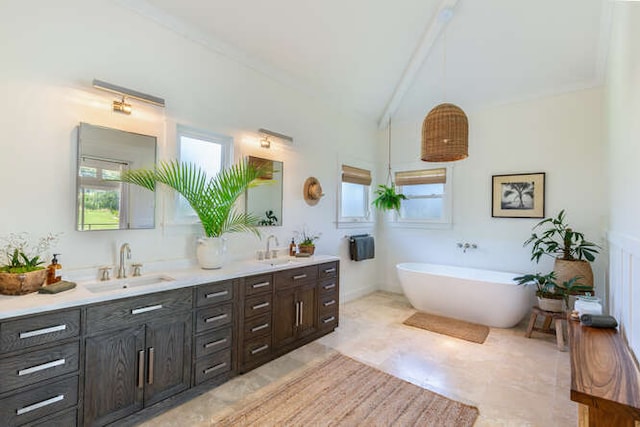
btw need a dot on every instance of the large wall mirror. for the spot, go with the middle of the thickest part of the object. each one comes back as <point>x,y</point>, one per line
<point>105,204</point>
<point>265,201</point>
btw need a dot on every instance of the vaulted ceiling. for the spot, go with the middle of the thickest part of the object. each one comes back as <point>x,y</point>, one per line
<point>376,57</point>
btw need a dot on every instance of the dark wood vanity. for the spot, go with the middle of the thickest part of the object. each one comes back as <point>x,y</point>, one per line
<point>123,360</point>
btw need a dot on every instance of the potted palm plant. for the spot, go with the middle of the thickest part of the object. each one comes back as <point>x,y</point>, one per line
<point>552,294</point>
<point>212,199</point>
<point>572,252</point>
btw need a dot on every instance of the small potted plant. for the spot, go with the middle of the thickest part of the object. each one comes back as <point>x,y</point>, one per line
<point>22,271</point>
<point>387,199</point>
<point>552,295</point>
<point>306,241</point>
<point>572,252</point>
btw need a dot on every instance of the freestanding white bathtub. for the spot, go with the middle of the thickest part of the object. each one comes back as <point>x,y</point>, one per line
<point>487,297</point>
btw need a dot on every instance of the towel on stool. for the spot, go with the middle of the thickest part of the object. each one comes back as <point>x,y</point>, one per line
<point>361,247</point>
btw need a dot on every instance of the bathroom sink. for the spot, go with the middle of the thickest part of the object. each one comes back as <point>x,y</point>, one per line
<point>129,283</point>
<point>278,261</point>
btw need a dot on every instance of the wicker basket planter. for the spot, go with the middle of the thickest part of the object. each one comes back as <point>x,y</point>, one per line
<point>566,270</point>
<point>22,283</point>
<point>307,249</point>
<point>551,304</point>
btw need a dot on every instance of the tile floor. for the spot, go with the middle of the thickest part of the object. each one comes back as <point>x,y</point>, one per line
<point>514,381</point>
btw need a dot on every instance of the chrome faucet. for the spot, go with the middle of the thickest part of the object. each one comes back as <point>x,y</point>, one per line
<point>466,246</point>
<point>122,271</point>
<point>267,254</point>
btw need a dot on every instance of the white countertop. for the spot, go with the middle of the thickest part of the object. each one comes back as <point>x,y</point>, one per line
<point>20,305</point>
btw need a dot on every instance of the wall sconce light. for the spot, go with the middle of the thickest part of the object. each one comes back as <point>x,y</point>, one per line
<point>121,106</point>
<point>267,137</point>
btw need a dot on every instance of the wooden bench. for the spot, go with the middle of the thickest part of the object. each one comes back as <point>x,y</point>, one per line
<point>605,379</point>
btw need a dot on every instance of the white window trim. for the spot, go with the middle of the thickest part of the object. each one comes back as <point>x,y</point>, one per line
<point>446,222</point>
<point>354,222</point>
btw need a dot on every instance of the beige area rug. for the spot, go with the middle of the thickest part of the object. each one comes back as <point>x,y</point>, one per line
<point>447,326</point>
<point>343,392</point>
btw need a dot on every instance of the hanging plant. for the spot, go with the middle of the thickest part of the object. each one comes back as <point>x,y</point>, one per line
<point>387,198</point>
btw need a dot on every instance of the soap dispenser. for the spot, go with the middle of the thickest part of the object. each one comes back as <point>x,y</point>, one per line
<point>292,248</point>
<point>54,270</point>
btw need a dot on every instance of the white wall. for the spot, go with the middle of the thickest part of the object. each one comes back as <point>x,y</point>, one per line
<point>561,136</point>
<point>51,51</point>
<point>623,110</point>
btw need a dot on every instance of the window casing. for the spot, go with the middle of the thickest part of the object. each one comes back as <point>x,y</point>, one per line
<point>354,198</point>
<point>428,193</point>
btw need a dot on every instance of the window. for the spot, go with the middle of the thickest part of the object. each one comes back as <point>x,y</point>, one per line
<point>354,195</point>
<point>428,196</point>
<point>209,151</point>
<point>100,198</point>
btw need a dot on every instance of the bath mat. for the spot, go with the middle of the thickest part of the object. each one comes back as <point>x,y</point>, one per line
<point>343,392</point>
<point>447,326</point>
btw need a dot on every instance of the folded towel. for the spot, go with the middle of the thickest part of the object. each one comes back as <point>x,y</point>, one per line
<point>598,321</point>
<point>54,288</point>
<point>361,247</point>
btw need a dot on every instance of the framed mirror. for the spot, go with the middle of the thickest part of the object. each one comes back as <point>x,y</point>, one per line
<point>265,201</point>
<point>101,202</point>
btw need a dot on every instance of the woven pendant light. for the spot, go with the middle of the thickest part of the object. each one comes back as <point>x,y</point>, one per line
<point>445,134</point>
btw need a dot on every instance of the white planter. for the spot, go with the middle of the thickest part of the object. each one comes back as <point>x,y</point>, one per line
<point>211,252</point>
<point>548,304</point>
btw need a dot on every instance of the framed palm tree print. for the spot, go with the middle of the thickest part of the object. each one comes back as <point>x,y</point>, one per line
<point>518,195</point>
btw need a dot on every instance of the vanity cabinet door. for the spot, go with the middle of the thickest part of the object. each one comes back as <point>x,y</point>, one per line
<point>114,375</point>
<point>168,354</point>
<point>307,302</point>
<point>295,314</point>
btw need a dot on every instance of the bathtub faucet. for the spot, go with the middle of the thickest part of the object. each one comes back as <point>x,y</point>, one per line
<point>467,245</point>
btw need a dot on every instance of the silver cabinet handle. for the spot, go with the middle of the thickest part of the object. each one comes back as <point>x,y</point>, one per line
<point>214,368</point>
<point>146,309</point>
<point>331,286</point>
<point>301,311</point>
<point>39,405</point>
<point>215,343</point>
<point>261,305</point>
<point>217,294</point>
<point>297,314</point>
<point>259,328</point>
<point>328,303</point>
<point>141,369</point>
<point>259,349</point>
<point>330,270</point>
<point>215,318</point>
<point>299,276</point>
<point>37,332</point>
<point>152,359</point>
<point>260,285</point>
<point>328,319</point>
<point>42,367</point>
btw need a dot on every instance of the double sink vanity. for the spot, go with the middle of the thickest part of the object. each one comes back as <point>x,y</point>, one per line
<point>122,350</point>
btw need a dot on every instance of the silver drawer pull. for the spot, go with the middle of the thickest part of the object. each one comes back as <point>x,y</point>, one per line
<point>259,349</point>
<point>215,343</point>
<point>259,306</point>
<point>215,318</point>
<point>42,367</point>
<point>39,405</point>
<point>300,276</point>
<point>214,368</point>
<point>37,332</point>
<point>146,309</point>
<point>260,285</point>
<point>328,319</point>
<point>259,328</point>
<point>328,303</point>
<point>331,286</point>
<point>217,294</point>
<point>330,270</point>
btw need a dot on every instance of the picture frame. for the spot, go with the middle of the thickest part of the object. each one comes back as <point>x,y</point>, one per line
<point>518,195</point>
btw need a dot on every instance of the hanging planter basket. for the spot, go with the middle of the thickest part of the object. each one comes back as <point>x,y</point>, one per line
<point>445,134</point>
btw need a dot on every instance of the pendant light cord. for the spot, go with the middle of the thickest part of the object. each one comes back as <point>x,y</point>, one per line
<point>389,177</point>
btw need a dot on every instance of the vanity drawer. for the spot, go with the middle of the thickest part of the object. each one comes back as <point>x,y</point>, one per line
<point>328,303</point>
<point>296,276</point>
<point>328,269</point>
<point>138,310</point>
<point>214,293</point>
<point>213,317</point>
<point>39,329</point>
<point>257,326</point>
<point>38,402</point>
<point>212,366</point>
<point>260,304</point>
<point>329,286</point>
<point>256,350</point>
<point>212,342</point>
<point>328,320</point>
<point>65,419</point>
<point>30,368</point>
<point>258,284</point>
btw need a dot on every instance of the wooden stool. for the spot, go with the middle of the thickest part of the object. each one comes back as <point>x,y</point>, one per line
<point>558,317</point>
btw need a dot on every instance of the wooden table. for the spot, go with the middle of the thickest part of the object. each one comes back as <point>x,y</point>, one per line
<point>605,379</point>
